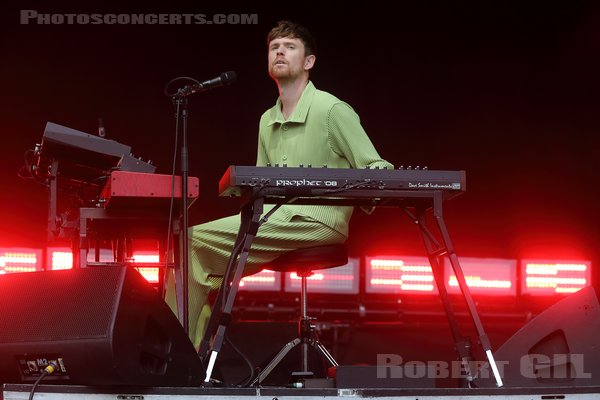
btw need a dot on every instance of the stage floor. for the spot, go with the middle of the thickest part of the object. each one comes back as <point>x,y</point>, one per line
<point>51,392</point>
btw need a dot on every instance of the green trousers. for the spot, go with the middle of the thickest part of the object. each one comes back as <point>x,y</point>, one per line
<point>211,245</point>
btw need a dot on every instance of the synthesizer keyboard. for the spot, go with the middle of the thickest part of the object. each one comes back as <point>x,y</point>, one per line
<point>341,182</point>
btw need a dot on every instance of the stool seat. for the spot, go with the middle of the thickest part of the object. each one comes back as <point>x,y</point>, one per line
<point>310,259</point>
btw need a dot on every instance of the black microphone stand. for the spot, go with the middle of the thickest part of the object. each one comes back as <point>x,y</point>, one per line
<point>180,99</point>
<point>181,102</point>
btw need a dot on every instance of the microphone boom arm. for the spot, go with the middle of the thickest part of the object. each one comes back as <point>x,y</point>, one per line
<point>225,78</point>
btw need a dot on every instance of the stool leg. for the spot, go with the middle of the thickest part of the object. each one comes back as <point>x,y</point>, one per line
<point>303,302</point>
<point>323,350</point>
<point>304,328</point>
<point>306,337</point>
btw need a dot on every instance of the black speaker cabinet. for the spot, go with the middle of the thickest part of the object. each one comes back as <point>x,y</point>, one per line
<point>101,325</point>
<point>559,347</point>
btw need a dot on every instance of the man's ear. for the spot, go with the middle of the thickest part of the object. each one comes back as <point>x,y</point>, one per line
<point>309,61</point>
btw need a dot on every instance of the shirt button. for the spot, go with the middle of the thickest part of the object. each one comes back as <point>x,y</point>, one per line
<point>284,157</point>
<point>284,127</point>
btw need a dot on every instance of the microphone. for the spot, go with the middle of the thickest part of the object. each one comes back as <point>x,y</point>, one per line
<point>225,78</point>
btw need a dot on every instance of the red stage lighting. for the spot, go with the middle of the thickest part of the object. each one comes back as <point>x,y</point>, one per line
<point>551,277</point>
<point>62,258</point>
<point>265,280</point>
<point>149,272</point>
<point>59,258</point>
<point>485,276</point>
<point>399,274</point>
<point>20,260</point>
<point>339,280</point>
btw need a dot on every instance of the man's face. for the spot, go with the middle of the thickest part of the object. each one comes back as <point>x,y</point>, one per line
<point>287,59</point>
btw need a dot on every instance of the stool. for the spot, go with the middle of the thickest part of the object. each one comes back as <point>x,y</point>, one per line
<point>303,262</point>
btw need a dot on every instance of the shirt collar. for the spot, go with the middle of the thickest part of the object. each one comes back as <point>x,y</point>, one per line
<point>301,110</point>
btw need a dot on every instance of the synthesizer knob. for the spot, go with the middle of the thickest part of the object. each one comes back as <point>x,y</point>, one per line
<point>417,168</point>
<point>309,166</point>
<point>301,165</point>
<point>285,165</point>
<point>268,164</point>
<point>324,165</point>
<point>377,167</point>
<point>277,164</point>
<point>425,168</point>
<point>409,167</point>
<point>401,167</point>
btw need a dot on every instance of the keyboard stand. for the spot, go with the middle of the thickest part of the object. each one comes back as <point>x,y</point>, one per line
<point>415,204</point>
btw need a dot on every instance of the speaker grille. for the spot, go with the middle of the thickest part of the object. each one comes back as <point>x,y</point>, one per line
<point>89,304</point>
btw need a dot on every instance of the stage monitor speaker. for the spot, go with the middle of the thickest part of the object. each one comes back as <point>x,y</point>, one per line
<point>103,326</point>
<point>559,347</point>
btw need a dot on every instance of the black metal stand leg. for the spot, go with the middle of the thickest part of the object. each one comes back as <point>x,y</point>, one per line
<point>285,350</point>
<point>231,282</point>
<point>275,361</point>
<point>178,270</point>
<point>184,216</point>
<point>432,246</point>
<point>324,352</point>
<point>464,288</point>
<point>53,222</point>
<point>82,246</point>
<point>304,326</point>
<point>434,251</point>
<point>246,218</point>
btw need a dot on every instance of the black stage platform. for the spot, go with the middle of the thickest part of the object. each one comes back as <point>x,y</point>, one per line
<point>47,392</point>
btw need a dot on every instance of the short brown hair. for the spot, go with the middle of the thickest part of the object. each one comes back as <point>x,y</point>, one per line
<point>295,31</point>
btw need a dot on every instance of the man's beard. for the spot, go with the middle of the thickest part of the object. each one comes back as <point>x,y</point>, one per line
<point>280,74</point>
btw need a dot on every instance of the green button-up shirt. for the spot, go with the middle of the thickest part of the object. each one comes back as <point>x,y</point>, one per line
<point>322,130</point>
